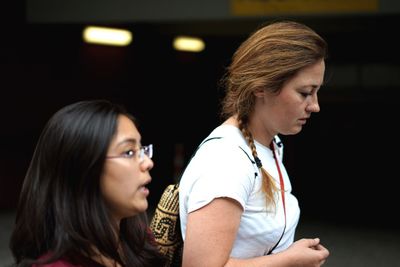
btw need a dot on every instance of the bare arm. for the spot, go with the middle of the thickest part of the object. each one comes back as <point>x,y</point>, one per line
<point>211,231</point>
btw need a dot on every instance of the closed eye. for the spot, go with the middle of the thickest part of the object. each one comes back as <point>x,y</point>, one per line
<point>305,94</point>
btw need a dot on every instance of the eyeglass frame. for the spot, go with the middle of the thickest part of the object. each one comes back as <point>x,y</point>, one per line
<point>143,150</point>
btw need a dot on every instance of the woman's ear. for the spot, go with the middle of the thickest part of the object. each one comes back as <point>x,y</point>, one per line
<point>259,92</point>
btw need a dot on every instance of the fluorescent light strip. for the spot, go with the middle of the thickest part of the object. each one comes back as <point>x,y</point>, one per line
<point>189,44</point>
<point>107,36</point>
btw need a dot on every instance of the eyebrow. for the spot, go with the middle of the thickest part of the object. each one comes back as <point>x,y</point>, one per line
<point>316,87</point>
<point>312,86</point>
<point>132,141</point>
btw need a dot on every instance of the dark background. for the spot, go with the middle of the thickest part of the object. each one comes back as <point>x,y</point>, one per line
<point>343,165</point>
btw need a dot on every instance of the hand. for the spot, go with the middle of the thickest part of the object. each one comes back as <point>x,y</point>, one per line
<point>307,253</point>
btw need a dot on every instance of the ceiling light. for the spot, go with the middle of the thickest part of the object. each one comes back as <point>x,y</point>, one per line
<point>190,44</point>
<point>107,36</point>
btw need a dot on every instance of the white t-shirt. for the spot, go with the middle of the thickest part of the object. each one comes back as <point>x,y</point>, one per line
<point>220,168</point>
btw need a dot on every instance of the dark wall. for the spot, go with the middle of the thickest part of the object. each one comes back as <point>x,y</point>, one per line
<point>343,164</point>
<point>173,95</point>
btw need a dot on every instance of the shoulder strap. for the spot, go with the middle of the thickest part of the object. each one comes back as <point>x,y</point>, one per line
<point>219,137</point>
<point>208,139</point>
<point>194,153</point>
<point>244,151</point>
<point>205,141</point>
<point>252,161</point>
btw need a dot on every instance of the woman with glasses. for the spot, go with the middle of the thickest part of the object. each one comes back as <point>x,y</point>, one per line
<point>235,199</point>
<point>84,197</point>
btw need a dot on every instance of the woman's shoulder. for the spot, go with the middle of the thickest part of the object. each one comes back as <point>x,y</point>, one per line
<point>225,148</point>
<point>58,263</point>
<point>226,135</point>
<point>77,261</point>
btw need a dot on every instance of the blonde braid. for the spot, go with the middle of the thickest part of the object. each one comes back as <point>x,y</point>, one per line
<point>268,183</point>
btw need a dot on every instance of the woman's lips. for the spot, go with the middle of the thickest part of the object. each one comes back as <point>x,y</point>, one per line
<point>145,190</point>
<point>303,121</point>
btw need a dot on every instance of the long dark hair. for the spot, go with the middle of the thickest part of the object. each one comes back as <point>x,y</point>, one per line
<point>61,209</point>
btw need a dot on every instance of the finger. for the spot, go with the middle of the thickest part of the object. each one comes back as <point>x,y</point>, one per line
<point>319,247</point>
<point>312,243</point>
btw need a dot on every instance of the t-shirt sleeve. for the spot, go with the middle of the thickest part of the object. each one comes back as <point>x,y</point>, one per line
<point>224,171</point>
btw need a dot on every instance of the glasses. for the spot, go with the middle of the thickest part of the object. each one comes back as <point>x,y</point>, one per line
<point>139,153</point>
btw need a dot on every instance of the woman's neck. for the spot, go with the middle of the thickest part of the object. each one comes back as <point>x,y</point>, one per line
<point>231,121</point>
<point>256,128</point>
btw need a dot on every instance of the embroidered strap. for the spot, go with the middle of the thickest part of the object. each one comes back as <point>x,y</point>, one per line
<point>165,223</point>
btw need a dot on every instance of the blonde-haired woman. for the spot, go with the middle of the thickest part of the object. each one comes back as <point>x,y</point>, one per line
<point>236,204</point>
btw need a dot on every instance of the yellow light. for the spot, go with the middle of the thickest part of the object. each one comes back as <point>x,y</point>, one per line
<point>191,44</point>
<point>107,36</point>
